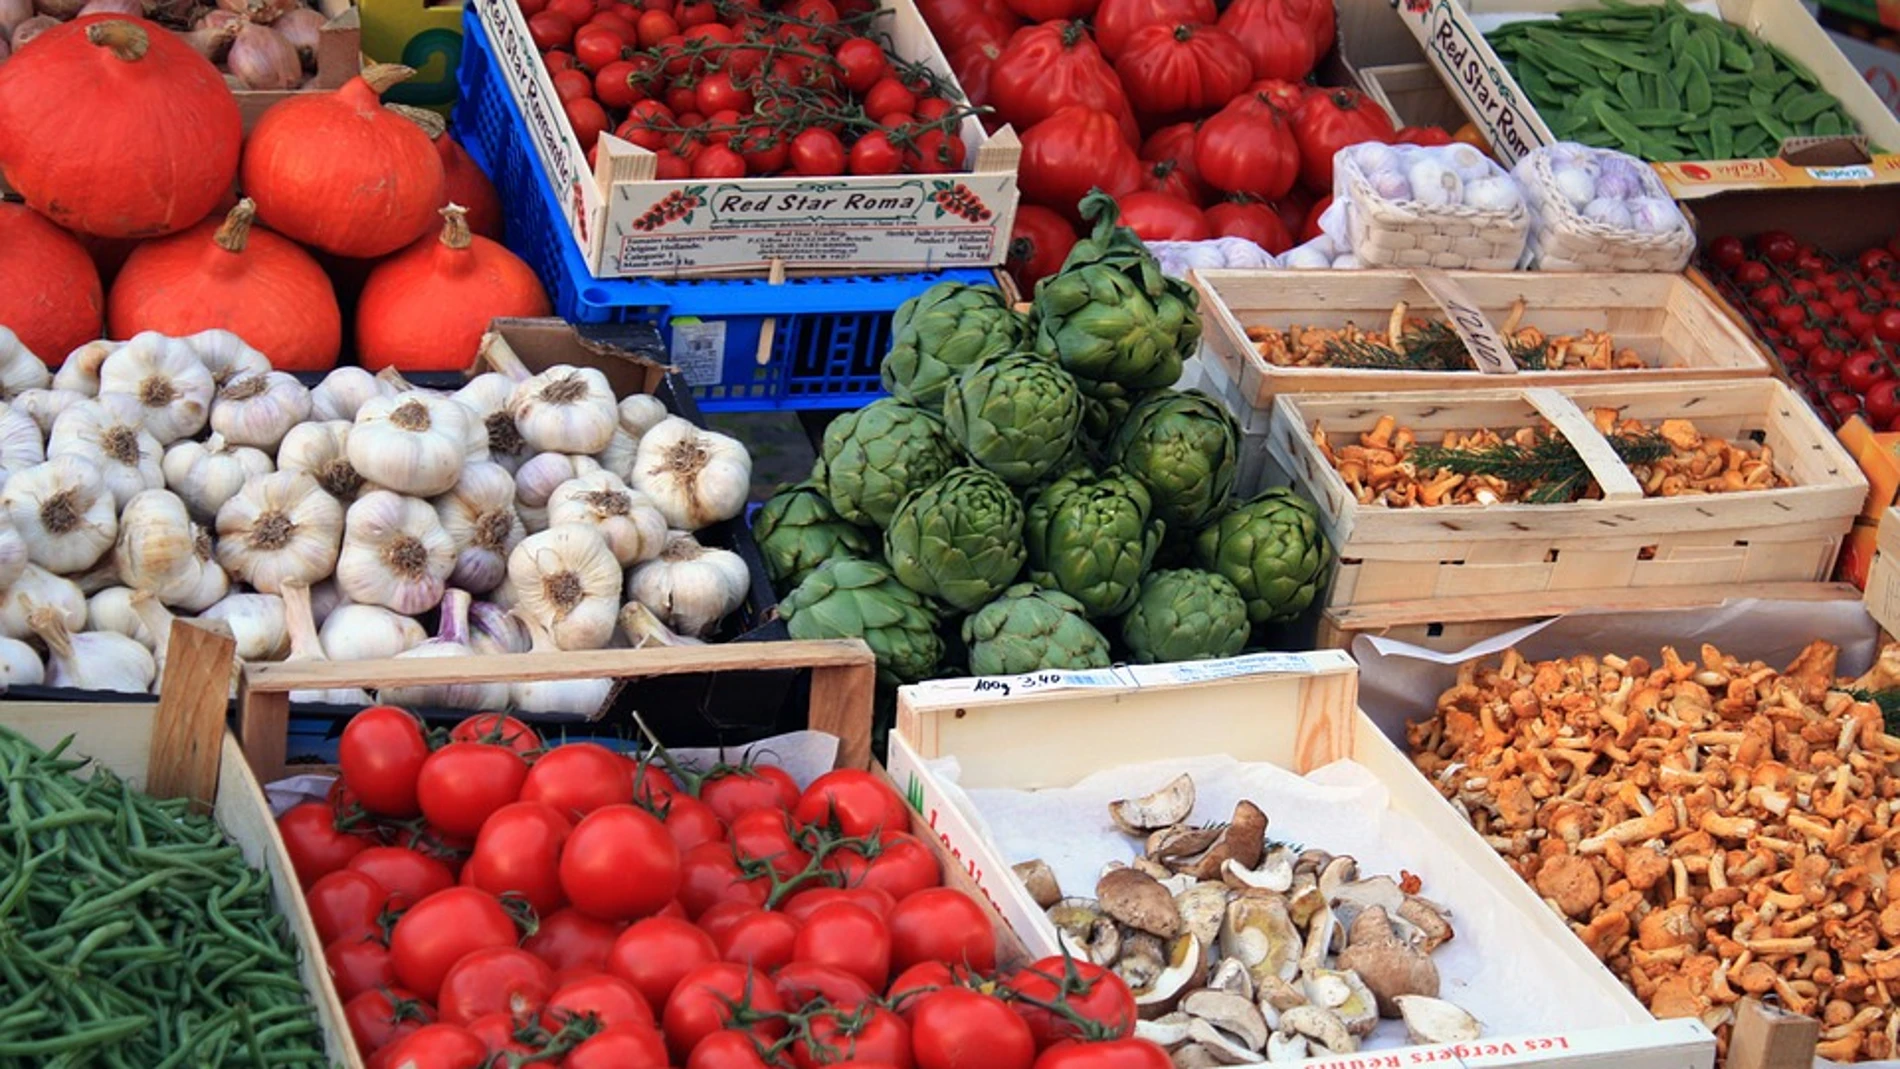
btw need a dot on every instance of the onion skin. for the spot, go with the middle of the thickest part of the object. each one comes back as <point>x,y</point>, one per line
<point>263,60</point>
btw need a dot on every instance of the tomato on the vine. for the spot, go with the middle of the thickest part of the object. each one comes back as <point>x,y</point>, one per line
<point>763,939</point>
<point>358,965</point>
<point>718,161</point>
<point>572,84</point>
<point>463,782</point>
<point>620,863</point>
<point>380,754</point>
<point>1105,1054</point>
<point>550,30</point>
<point>1085,989</point>
<point>849,937</point>
<point>941,924</point>
<point>611,1000</point>
<point>854,802</point>
<point>439,930</point>
<point>861,63</point>
<point>718,996</point>
<point>801,983</point>
<point>578,778</point>
<point>494,980</point>
<point>619,1047</point>
<point>408,875</point>
<point>597,46</point>
<point>1883,403</point>
<point>957,1028</point>
<point>847,1037</point>
<point>314,844</point>
<point>1887,325</point>
<point>655,953</point>
<point>381,1017</point>
<point>345,905</point>
<point>732,791</point>
<point>816,151</point>
<point>568,939</point>
<point>729,1050</point>
<point>874,154</point>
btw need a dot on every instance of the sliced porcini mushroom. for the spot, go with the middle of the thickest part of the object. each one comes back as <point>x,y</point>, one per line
<point>1433,1020</point>
<point>1243,841</point>
<point>1286,1047</point>
<point>1304,900</point>
<point>1233,1015</point>
<point>1143,959</point>
<point>1138,900</point>
<point>1169,805</point>
<point>1085,932</point>
<point>1184,966</point>
<point>1429,918</point>
<point>1225,1048</point>
<point>1344,993</point>
<point>1321,1026</point>
<point>1258,931</point>
<point>1389,966</point>
<point>1194,1056</point>
<point>1177,842</point>
<point>1232,977</point>
<point>1277,994</point>
<point>1311,861</point>
<point>1275,872</point>
<point>1350,899</point>
<point>1153,868</point>
<point>1177,883</point>
<point>1040,881</point>
<point>1203,906</point>
<point>1321,931</point>
<point>1169,1030</point>
<point>1338,872</point>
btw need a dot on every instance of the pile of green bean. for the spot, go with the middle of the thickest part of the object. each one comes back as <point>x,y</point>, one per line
<point>133,934</point>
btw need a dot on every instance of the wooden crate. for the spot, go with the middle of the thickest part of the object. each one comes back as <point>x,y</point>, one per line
<point>339,58</point>
<point>1675,326</point>
<point>1600,546</point>
<point>1882,595</point>
<point>1297,711</point>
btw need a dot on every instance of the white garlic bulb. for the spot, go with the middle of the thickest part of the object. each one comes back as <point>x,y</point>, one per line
<point>157,545</point>
<point>109,433</point>
<point>486,393</point>
<point>44,406</point>
<point>258,410</point>
<point>80,371</point>
<point>306,646</point>
<point>641,629</point>
<point>641,413</point>
<point>324,597</point>
<point>617,458</point>
<point>21,445</point>
<point>536,481</point>
<point>695,476</point>
<point>479,515</point>
<point>451,641</point>
<point>63,512</point>
<point>37,586</point>
<point>13,555</point>
<point>256,621</point>
<point>111,610</point>
<point>583,698</point>
<point>166,378</point>
<point>567,578</point>
<point>629,521</point>
<point>91,660</point>
<point>493,629</point>
<point>411,443</point>
<point>208,587</point>
<point>342,392</point>
<point>280,526</point>
<point>226,355</point>
<point>20,369</point>
<point>395,552</point>
<point>19,665</point>
<point>209,473</point>
<point>565,409</point>
<point>368,633</point>
<point>690,587</point>
<point>322,450</point>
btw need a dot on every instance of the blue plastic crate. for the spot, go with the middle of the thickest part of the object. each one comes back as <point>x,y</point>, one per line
<point>828,333</point>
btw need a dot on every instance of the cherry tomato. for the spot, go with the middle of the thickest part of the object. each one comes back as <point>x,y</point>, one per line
<point>647,124</point>
<point>497,729</point>
<point>654,27</point>
<point>944,925</point>
<point>765,150</point>
<point>439,930</point>
<point>345,905</point>
<point>863,1035</point>
<point>1883,402</point>
<point>408,875</point>
<point>620,864</point>
<point>614,85</point>
<point>669,167</point>
<point>1887,325</point>
<point>1088,990</point>
<point>887,95</point>
<point>716,93</point>
<point>381,1017</point>
<point>588,119</point>
<point>957,1028</point>
<point>597,46</point>
<point>706,999</point>
<point>734,791</point>
<point>874,154</point>
<point>655,953</point>
<point>572,84</point>
<point>1778,246</point>
<point>854,802</point>
<point>1752,273</point>
<point>847,937</point>
<point>1105,1054</point>
<point>718,161</point>
<point>862,63</point>
<point>550,30</point>
<point>381,753</point>
<point>315,846</point>
<point>801,983</point>
<point>461,784</point>
<point>1843,404</point>
<point>609,998</point>
<point>761,939</point>
<point>359,965</point>
<point>1861,370</point>
<point>817,151</point>
<point>569,938</point>
<point>1727,252</point>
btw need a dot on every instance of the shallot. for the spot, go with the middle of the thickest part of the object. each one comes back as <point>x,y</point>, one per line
<point>262,59</point>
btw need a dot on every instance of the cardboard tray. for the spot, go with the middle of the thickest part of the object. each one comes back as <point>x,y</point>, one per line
<point>339,58</point>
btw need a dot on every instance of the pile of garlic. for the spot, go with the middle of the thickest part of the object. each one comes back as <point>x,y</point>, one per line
<point>183,476</point>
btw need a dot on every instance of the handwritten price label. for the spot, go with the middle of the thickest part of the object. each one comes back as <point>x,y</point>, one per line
<point>1474,328</point>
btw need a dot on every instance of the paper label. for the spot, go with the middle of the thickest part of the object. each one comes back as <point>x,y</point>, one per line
<point>1481,339</point>
<point>1136,676</point>
<point>1031,683</point>
<point>562,162</point>
<point>699,350</point>
<point>1456,47</point>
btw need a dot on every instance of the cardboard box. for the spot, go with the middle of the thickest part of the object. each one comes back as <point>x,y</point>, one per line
<point>422,34</point>
<point>339,58</point>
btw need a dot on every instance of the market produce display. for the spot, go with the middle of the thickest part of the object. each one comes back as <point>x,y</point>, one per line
<point>1711,829</point>
<point>1415,343</point>
<point>1832,322</point>
<point>135,931</point>
<point>261,46</point>
<point>1061,457</point>
<point>488,895</point>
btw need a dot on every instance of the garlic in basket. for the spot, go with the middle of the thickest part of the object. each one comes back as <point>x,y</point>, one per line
<point>690,587</point>
<point>411,443</point>
<point>536,481</point>
<point>570,697</point>
<point>479,516</point>
<point>451,641</point>
<point>323,451</point>
<point>565,410</point>
<point>280,526</point>
<point>168,381</point>
<point>20,368</point>
<point>37,586</point>
<point>638,414</point>
<point>207,474</point>
<point>109,433</point>
<point>494,629</point>
<point>368,633</point>
<point>306,646</point>
<point>395,552</point>
<point>696,477</point>
<point>226,355</point>
<point>258,410</point>
<point>567,578</point>
<point>342,392</point>
<point>21,444</point>
<point>44,406</point>
<point>91,660</point>
<point>256,621</point>
<point>63,512</point>
<point>629,520</point>
<point>79,372</point>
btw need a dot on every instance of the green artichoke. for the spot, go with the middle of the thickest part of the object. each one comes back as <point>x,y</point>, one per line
<point>798,530</point>
<point>1092,538</point>
<point>1273,551</point>
<point>1185,615</point>
<point>960,539</point>
<point>861,599</point>
<point>1016,414</point>
<point>874,456</point>
<point>1110,315</point>
<point>1029,629</point>
<point>1183,447</point>
<point>943,330</point>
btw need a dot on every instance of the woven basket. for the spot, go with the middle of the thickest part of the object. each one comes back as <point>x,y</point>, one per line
<point>1563,240</point>
<point>1454,237</point>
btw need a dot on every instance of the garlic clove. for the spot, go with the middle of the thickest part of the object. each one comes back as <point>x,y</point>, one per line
<point>696,477</point>
<point>690,587</point>
<point>207,474</point>
<point>536,481</point>
<point>494,629</point>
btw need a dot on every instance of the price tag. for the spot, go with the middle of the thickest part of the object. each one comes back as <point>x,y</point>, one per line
<point>1032,683</point>
<point>1481,339</point>
<point>1254,664</point>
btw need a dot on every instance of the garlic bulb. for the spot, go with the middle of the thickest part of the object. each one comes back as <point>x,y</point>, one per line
<point>395,552</point>
<point>45,405</point>
<point>64,513</point>
<point>479,515</point>
<point>80,370</point>
<point>13,555</point>
<point>305,645</point>
<point>226,355</point>
<point>20,369</point>
<point>209,586</point>
<point>322,450</point>
<point>166,377</point>
<point>641,413</point>
<point>111,610</point>
<point>19,665</point>
<point>585,698</point>
<point>642,629</point>
<point>451,641</point>
<point>493,629</point>
<point>696,477</point>
<point>259,410</point>
<point>258,623</point>
<point>37,586</point>
<point>486,396</point>
<point>91,660</point>
<point>156,620</point>
<point>368,633</point>
<point>21,445</point>
<point>565,409</point>
<point>617,458</point>
<point>536,481</point>
<point>690,587</point>
<point>280,526</point>
<point>157,548</point>
<point>627,519</point>
<point>209,473</point>
<point>324,598</point>
<point>567,578</point>
<point>108,432</point>
<point>342,392</point>
<point>411,443</point>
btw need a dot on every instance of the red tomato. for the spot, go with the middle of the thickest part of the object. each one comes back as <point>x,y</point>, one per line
<point>848,937</point>
<point>957,1028</point>
<point>1330,121</point>
<point>1046,68</point>
<point>464,782</point>
<point>519,851</point>
<point>1861,370</point>
<point>716,92</point>
<point>408,875</point>
<point>345,905</point>
<point>767,835</point>
<point>854,802</point>
<point>1183,68</point>
<point>730,1050</point>
<point>889,95</point>
<point>315,846</point>
<point>874,154</point>
<point>764,149</point>
<point>1116,21</point>
<point>550,29</point>
<point>1163,217</point>
<point>578,778</point>
<point>569,939</point>
<point>914,983</point>
<point>494,980</point>
<point>557,61</point>
<point>620,864</point>
<point>1310,228</point>
<point>1105,1054</point>
<point>436,932</point>
<point>865,1035</point>
<point>669,167</point>
<point>380,755</point>
<point>944,925</point>
<point>817,151</point>
<point>710,875</point>
<point>724,915</point>
<point>619,1047</point>
<point>655,953</point>
<point>576,11</point>
<point>1429,136</point>
<point>712,997</point>
<point>1887,325</point>
<point>1883,402</point>
<point>1071,152</point>
<point>690,822</point>
<point>597,46</point>
<point>1039,241</point>
<point>802,905</point>
<point>654,27</point>
<point>359,965</point>
<point>588,118</point>
<point>381,1017</point>
<point>572,84</point>
<point>936,152</point>
<point>1247,147</point>
<point>609,998</point>
<point>1088,990</point>
<point>735,791</point>
<point>718,161</point>
<point>1777,246</point>
<point>764,940</point>
<point>1283,38</point>
<point>961,23</point>
<point>974,65</point>
<point>801,983</point>
<point>1252,220</point>
<point>646,126</point>
<point>861,62</point>
<point>497,1032</point>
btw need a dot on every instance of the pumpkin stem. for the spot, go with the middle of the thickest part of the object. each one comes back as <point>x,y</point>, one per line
<point>125,40</point>
<point>432,122</point>
<point>236,231</point>
<point>380,76</point>
<point>455,232</point>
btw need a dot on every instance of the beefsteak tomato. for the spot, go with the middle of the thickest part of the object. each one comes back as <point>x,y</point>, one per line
<point>1247,147</point>
<point>1163,217</point>
<point>1056,65</point>
<point>1182,70</point>
<point>1276,39</point>
<point>1330,121</point>
<point>1117,20</point>
<point>1253,220</point>
<point>1038,243</point>
<point>1073,151</point>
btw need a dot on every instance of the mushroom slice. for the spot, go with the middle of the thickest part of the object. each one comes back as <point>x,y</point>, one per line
<point>1338,872</point>
<point>1321,930</point>
<point>1194,1056</point>
<point>1286,1047</point>
<point>1225,1048</point>
<point>1322,1026</point>
<point>1428,917</point>
<point>1232,977</point>
<point>1169,1030</point>
<point>1344,993</point>
<point>1258,931</point>
<point>1203,906</point>
<point>1389,966</point>
<point>1233,1015</point>
<point>1243,841</point>
<point>1433,1020</point>
<point>1350,899</point>
<point>1153,868</point>
<point>1169,805</point>
<point>1184,964</point>
<point>1143,959</point>
<point>1138,900</point>
<point>1274,874</point>
<point>1181,841</point>
<point>1040,881</point>
<point>1305,899</point>
<point>1085,932</point>
<point>1177,884</point>
<point>1312,860</point>
<point>1277,995</point>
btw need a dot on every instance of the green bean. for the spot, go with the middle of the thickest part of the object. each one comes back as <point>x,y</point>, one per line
<point>105,1032</point>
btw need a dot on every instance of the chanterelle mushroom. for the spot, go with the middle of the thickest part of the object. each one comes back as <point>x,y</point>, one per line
<point>1169,805</point>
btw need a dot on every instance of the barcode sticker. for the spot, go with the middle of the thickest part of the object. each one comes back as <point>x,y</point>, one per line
<point>699,350</point>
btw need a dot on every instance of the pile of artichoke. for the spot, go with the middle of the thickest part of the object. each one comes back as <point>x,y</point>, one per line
<point>1004,510</point>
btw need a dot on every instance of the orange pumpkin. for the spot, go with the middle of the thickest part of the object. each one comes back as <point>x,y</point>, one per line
<point>426,308</point>
<point>49,289</point>
<point>462,182</point>
<point>236,276</point>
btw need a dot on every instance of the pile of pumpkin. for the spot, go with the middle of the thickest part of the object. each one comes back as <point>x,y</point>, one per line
<point>126,144</point>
